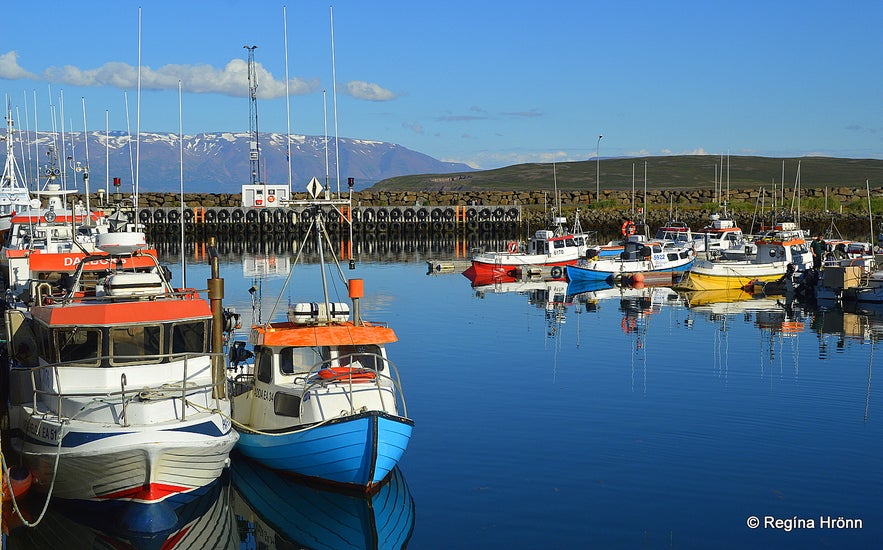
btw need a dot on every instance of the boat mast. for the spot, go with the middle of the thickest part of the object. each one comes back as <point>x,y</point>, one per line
<point>253,148</point>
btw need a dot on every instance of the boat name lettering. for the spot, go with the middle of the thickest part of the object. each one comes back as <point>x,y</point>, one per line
<point>75,261</point>
<point>261,393</point>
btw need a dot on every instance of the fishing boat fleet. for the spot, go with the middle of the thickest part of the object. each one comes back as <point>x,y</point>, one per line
<point>777,260</point>
<point>126,395</point>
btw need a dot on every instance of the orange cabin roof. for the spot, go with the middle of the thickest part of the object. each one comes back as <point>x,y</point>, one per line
<point>121,313</point>
<point>340,334</point>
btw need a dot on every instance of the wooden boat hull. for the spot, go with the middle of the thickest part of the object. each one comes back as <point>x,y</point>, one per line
<point>356,451</point>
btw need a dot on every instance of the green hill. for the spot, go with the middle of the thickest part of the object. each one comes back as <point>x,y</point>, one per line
<point>685,171</point>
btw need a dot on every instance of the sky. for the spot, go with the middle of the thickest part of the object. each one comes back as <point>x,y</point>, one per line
<point>483,82</point>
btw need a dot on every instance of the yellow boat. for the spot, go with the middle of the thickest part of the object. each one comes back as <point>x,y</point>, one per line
<point>774,253</point>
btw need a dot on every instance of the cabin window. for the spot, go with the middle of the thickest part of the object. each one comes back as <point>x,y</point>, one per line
<point>672,256</point>
<point>78,345</point>
<point>366,356</point>
<point>580,241</point>
<point>297,360</point>
<point>264,364</point>
<point>558,244</point>
<point>135,343</point>
<point>569,242</point>
<point>189,337</point>
<point>285,404</point>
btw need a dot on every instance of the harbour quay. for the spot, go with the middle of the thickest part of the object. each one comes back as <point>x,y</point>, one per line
<point>339,220</point>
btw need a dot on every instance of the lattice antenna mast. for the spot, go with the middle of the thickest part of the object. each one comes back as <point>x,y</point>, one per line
<point>253,145</point>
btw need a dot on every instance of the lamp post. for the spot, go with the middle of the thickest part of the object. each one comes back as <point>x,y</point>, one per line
<point>598,170</point>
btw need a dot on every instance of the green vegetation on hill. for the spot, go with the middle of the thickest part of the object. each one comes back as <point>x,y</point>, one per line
<point>685,171</point>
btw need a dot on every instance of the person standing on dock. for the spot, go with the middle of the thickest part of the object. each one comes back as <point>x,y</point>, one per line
<point>818,247</point>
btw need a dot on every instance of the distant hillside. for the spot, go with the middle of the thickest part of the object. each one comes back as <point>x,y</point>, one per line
<point>685,171</point>
<point>219,162</point>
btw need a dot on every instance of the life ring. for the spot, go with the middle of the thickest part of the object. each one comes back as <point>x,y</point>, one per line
<point>556,272</point>
<point>628,324</point>
<point>271,198</point>
<point>512,248</point>
<point>337,373</point>
<point>628,228</point>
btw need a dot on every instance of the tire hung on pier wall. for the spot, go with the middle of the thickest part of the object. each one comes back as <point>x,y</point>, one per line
<point>211,216</point>
<point>237,215</point>
<point>223,215</point>
<point>159,216</point>
<point>512,214</point>
<point>145,215</point>
<point>251,216</point>
<point>422,214</point>
<point>173,216</point>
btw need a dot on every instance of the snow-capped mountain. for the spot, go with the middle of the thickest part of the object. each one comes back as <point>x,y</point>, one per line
<point>219,162</point>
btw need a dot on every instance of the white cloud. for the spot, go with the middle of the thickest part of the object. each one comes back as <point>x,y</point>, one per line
<point>11,70</point>
<point>231,80</point>
<point>366,90</point>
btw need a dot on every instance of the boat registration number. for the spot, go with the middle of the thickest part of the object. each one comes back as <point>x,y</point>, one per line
<point>266,395</point>
<point>42,431</point>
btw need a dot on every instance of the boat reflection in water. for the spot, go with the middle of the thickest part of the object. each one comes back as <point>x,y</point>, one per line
<point>200,519</point>
<point>278,511</point>
<point>550,294</point>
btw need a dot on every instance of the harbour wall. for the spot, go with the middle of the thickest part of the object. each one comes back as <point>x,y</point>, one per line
<point>492,211</point>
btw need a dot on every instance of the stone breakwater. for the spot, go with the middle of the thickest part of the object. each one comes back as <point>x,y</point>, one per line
<point>692,206</point>
<point>617,198</point>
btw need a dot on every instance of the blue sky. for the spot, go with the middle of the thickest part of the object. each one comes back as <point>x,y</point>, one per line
<point>482,82</point>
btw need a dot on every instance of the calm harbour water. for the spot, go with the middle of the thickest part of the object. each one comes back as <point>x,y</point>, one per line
<point>608,419</point>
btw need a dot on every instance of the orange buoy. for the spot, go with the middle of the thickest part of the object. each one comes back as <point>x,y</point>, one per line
<point>19,479</point>
<point>638,278</point>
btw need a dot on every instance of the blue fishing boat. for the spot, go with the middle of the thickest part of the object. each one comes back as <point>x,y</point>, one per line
<point>638,257</point>
<point>314,517</point>
<point>321,398</point>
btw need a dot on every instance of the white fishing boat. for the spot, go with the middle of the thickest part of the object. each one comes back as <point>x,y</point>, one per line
<point>50,238</point>
<point>115,392</point>
<point>322,399</point>
<point>555,247</point>
<point>14,195</point>
<point>776,251</point>
<point>719,236</point>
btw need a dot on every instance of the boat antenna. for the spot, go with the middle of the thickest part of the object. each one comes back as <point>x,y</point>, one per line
<point>325,123</point>
<point>253,146</point>
<point>138,117</point>
<point>334,99</point>
<point>633,191</point>
<point>85,167</point>
<point>181,166</point>
<point>287,98</point>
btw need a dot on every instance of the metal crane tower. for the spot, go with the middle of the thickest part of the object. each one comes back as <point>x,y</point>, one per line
<point>253,146</point>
